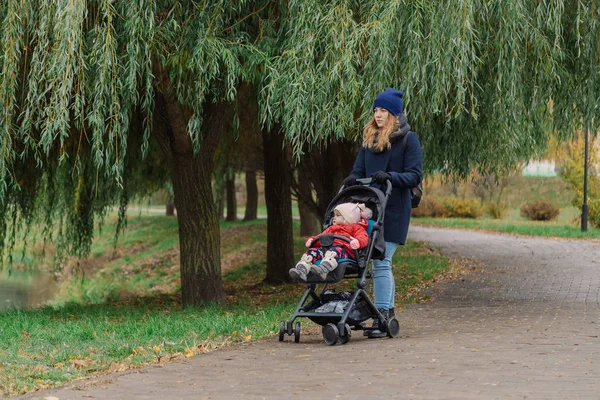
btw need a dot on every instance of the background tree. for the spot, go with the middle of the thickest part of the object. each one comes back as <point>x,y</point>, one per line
<point>570,157</point>
<point>251,145</point>
<point>278,174</point>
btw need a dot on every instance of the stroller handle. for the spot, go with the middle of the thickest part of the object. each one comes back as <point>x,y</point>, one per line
<point>369,181</point>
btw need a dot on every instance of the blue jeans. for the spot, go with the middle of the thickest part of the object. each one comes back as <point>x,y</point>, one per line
<point>384,286</point>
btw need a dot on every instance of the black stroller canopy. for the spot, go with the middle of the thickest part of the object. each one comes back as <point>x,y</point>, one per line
<point>374,199</point>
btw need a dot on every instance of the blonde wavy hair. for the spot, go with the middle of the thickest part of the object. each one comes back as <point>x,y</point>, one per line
<point>379,138</point>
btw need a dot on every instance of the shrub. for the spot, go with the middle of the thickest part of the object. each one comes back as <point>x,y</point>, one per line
<point>430,207</point>
<point>594,212</point>
<point>463,208</point>
<point>496,209</point>
<point>542,210</point>
<point>572,164</point>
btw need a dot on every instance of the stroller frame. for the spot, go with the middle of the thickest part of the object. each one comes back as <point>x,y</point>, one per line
<point>337,327</point>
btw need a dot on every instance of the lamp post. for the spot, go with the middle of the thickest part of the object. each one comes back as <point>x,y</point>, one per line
<point>584,207</point>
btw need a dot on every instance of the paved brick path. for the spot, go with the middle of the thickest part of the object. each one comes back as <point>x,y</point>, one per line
<point>525,327</point>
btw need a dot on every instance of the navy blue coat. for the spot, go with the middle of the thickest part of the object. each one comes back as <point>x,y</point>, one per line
<point>399,207</point>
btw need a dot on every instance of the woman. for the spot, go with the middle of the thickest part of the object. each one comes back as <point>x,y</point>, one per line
<point>382,156</point>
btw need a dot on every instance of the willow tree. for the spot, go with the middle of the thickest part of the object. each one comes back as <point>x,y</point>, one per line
<point>485,82</point>
<point>90,89</point>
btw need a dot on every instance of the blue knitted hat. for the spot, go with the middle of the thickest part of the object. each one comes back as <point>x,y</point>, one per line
<point>391,100</point>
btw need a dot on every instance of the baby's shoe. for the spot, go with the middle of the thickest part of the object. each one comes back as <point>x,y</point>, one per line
<point>329,261</point>
<point>301,269</point>
<point>328,264</point>
<point>320,271</point>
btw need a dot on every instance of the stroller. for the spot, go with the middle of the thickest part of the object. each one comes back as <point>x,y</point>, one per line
<point>341,312</point>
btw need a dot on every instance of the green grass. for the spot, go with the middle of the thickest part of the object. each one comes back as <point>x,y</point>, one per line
<point>48,347</point>
<point>529,228</point>
<point>114,320</point>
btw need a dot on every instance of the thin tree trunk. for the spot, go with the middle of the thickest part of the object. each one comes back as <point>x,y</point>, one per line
<point>327,169</point>
<point>250,140</point>
<point>170,206</point>
<point>308,220</point>
<point>280,249</point>
<point>251,195</point>
<point>231,200</point>
<point>170,209</point>
<point>221,204</point>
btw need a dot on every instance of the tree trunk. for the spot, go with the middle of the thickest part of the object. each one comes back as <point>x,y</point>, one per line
<point>251,195</point>
<point>199,236</point>
<point>170,209</point>
<point>280,249</point>
<point>308,220</point>
<point>327,169</point>
<point>231,200</point>
<point>221,204</point>
<point>250,141</point>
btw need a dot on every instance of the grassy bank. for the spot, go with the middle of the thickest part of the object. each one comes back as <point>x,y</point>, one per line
<point>514,226</point>
<point>121,309</point>
<point>517,192</point>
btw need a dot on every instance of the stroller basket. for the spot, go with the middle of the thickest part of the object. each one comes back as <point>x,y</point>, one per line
<point>338,302</point>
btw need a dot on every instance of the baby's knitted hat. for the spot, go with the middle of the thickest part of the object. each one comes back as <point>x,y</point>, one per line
<point>350,211</point>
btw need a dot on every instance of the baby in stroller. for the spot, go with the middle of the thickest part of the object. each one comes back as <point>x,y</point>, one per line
<point>341,312</point>
<point>349,220</point>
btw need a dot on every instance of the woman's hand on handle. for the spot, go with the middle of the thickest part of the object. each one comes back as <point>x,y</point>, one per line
<point>381,177</point>
<point>350,180</point>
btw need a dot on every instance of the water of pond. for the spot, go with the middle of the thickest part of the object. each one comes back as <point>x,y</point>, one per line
<point>22,289</point>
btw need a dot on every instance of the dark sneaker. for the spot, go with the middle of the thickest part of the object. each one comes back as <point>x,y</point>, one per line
<point>378,332</point>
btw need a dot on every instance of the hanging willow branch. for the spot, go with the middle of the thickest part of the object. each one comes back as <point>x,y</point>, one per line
<point>486,83</point>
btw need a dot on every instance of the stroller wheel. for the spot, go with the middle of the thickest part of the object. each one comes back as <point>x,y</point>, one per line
<point>393,327</point>
<point>297,332</point>
<point>281,330</point>
<point>330,334</point>
<point>347,334</point>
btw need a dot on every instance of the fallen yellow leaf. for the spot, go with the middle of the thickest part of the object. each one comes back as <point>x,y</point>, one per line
<point>189,353</point>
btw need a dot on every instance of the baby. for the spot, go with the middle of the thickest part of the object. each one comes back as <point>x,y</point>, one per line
<point>349,220</point>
